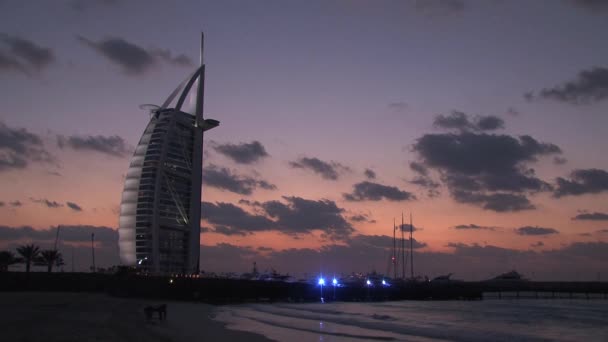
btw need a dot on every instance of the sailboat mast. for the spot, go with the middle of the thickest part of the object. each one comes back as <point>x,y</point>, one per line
<point>394,257</point>
<point>402,247</point>
<point>411,247</point>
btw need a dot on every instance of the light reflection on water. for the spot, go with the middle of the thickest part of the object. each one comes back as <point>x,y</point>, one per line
<point>487,320</point>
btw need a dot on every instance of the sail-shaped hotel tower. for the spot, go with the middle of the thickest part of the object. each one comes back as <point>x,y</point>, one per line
<point>160,211</point>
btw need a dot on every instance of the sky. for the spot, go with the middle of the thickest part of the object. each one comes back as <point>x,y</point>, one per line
<point>484,121</point>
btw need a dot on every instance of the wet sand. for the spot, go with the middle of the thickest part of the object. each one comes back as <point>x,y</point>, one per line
<point>57,316</point>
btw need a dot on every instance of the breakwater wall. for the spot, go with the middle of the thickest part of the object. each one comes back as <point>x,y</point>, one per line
<point>224,291</point>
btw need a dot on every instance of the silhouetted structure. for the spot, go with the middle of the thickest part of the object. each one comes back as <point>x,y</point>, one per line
<point>160,211</point>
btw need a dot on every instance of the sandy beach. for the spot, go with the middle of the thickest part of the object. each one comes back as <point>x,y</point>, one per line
<point>57,316</point>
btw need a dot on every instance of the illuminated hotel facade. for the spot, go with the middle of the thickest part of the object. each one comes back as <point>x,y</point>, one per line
<point>160,210</point>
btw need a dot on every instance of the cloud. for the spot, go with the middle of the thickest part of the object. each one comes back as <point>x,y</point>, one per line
<point>419,168</point>
<point>133,59</point>
<point>73,206</point>
<point>589,86</point>
<point>488,170</point>
<point>223,179</point>
<point>559,160</point>
<point>460,121</point>
<point>49,204</point>
<point>602,231</point>
<point>439,7</point>
<point>473,227</point>
<point>380,241</point>
<point>593,6</point>
<point>243,153</point>
<point>111,145</point>
<point>294,216</point>
<point>369,191</point>
<point>591,216</point>
<point>67,233</point>
<point>397,106</point>
<point>16,203</point>
<point>369,174</point>
<point>529,230</point>
<point>362,218</point>
<point>581,182</point>
<point>537,244</point>
<point>301,215</point>
<point>25,56</point>
<point>498,202</point>
<point>18,148</point>
<point>327,170</point>
<point>84,5</point>
<point>2,204</point>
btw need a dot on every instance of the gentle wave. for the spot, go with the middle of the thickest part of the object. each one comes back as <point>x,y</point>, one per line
<point>489,320</point>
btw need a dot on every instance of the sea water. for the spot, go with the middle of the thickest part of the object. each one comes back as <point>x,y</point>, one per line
<point>484,320</point>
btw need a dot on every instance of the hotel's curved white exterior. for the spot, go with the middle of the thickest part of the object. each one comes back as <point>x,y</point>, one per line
<point>160,210</point>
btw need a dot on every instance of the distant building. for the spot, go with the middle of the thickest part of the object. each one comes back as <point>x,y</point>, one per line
<point>160,210</point>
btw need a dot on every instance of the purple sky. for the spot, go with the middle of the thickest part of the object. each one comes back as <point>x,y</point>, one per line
<point>486,119</point>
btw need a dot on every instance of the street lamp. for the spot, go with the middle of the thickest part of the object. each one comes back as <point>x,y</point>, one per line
<point>335,283</point>
<point>321,283</point>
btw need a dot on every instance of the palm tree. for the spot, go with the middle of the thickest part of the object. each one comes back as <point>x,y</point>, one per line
<point>50,257</point>
<point>7,258</point>
<point>29,254</point>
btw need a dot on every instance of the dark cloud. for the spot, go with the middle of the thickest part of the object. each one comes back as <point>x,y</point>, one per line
<point>236,219</point>
<point>499,202</point>
<point>380,241</point>
<point>243,153</point>
<point>73,206</point>
<point>362,253</point>
<point>397,106</point>
<point>2,204</point>
<point>49,204</point>
<point>224,179</point>
<point>67,233</point>
<point>428,183</point>
<point>18,148</point>
<point>559,160</point>
<point>593,6</point>
<point>460,121</point>
<point>370,174</point>
<point>581,182</point>
<point>83,5</point>
<point>368,191</point>
<point>111,145</point>
<point>588,87</point>
<point>419,168</point>
<point>473,227</point>
<point>529,230</point>
<point>602,231</point>
<point>328,170</point>
<point>487,170</point>
<point>439,7</point>
<point>16,203</point>
<point>591,216</point>
<point>24,55</point>
<point>133,59</point>
<point>300,215</point>
<point>362,218</point>
<point>293,217</point>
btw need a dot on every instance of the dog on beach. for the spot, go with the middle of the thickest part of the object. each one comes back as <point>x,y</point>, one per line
<point>161,309</point>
